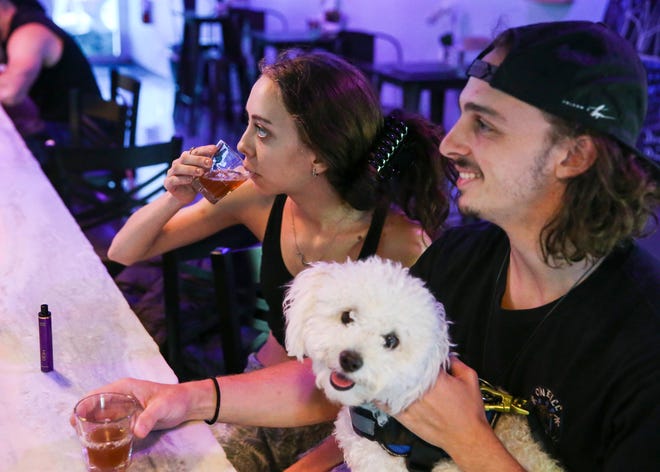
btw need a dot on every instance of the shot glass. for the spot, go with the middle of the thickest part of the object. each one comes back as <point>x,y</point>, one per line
<point>226,174</point>
<point>104,423</point>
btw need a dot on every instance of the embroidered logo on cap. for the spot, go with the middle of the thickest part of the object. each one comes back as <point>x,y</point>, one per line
<point>596,112</point>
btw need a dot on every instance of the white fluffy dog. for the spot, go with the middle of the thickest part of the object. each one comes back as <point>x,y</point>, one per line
<point>375,334</point>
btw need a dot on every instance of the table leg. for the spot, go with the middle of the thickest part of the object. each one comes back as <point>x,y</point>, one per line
<point>411,98</point>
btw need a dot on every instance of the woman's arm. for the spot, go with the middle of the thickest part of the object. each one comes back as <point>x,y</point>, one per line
<point>281,396</point>
<point>170,221</point>
<point>284,395</point>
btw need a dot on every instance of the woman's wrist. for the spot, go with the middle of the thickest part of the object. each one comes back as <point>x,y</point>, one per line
<point>202,399</point>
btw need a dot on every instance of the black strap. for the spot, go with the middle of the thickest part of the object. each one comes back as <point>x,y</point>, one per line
<point>372,238</point>
<point>397,440</point>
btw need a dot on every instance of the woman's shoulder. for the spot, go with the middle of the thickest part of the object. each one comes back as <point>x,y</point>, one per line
<point>402,239</point>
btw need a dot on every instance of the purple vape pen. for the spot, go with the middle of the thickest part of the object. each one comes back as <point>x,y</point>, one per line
<point>45,339</point>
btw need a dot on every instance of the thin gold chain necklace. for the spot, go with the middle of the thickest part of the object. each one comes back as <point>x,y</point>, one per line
<point>299,253</point>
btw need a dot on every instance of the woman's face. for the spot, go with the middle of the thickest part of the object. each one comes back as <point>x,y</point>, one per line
<point>274,153</point>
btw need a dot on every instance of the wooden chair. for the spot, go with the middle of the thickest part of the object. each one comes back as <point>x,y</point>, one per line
<point>251,20</point>
<point>182,263</point>
<point>125,90</point>
<point>362,48</point>
<point>240,303</point>
<point>96,122</point>
<point>93,203</point>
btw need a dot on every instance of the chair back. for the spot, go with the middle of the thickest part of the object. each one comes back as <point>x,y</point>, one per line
<point>96,122</point>
<point>360,47</point>
<point>184,262</point>
<point>251,19</point>
<point>93,203</point>
<point>125,90</point>
<point>236,274</point>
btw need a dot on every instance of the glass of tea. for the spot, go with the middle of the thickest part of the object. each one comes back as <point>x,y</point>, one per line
<point>226,173</point>
<point>104,423</point>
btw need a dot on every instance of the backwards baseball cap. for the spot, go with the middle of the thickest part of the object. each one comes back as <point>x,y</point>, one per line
<point>576,70</point>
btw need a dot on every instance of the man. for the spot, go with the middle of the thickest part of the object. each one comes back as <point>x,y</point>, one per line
<point>552,300</point>
<point>42,64</point>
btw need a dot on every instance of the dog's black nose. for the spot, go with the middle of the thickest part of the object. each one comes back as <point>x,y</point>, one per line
<point>350,361</point>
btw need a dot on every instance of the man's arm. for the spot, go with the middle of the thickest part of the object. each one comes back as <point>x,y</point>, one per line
<point>30,47</point>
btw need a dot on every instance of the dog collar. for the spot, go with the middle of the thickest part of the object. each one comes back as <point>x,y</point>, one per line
<point>396,439</point>
<point>420,455</point>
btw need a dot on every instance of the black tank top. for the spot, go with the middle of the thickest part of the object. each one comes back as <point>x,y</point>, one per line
<point>275,275</point>
<point>50,92</point>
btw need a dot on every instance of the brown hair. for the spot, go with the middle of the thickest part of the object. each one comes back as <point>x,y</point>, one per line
<point>612,202</point>
<point>338,116</point>
<point>607,205</point>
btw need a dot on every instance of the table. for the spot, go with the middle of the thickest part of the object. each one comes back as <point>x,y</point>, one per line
<point>414,77</point>
<point>45,258</point>
<point>281,40</point>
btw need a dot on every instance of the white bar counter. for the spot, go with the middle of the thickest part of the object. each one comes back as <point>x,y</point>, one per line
<point>45,258</point>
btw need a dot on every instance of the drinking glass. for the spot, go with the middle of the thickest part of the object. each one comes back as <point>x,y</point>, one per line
<point>226,174</point>
<point>104,423</point>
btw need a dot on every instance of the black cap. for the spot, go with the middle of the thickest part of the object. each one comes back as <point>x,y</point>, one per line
<point>580,71</point>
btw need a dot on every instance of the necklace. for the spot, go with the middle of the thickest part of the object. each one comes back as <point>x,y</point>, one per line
<point>299,253</point>
<point>537,328</point>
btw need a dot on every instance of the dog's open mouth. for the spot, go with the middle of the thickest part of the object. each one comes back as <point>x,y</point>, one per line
<point>340,382</point>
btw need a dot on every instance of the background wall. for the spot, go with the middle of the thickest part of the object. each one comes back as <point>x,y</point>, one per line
<point>407,20</point>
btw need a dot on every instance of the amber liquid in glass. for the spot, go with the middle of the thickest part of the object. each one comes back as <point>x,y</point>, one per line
<point>109,448</point>
<point>219,183</point>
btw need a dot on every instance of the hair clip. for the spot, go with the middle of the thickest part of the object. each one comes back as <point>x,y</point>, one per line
<point>388,143</point>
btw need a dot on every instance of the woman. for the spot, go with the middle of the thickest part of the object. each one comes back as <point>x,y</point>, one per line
<point>331,179</point>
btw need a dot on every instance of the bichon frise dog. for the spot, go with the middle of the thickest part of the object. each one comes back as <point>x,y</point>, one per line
<point>376,335</point>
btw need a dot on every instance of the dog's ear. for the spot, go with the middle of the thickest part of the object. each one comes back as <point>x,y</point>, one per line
<point>300,303</point>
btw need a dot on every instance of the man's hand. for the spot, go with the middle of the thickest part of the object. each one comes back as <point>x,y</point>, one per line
<point>451,416</point>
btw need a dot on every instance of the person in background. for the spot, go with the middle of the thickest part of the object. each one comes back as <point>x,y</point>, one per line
<point>550,296</point>
<point>331,179</point>
<point>42,63</point>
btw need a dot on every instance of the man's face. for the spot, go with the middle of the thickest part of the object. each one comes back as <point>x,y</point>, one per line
<point>501,148</point>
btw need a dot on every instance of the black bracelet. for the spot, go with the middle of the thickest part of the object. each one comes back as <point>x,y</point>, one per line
<point>217,402</point>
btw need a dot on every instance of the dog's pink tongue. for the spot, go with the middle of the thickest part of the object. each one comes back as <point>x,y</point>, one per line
<point>340,382</point>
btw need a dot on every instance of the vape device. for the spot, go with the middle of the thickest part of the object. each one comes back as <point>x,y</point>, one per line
<point>45,339</point>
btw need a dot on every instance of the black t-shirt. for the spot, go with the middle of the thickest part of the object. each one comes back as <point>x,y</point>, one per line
<point>274,274</point>
<point>592,368</point>
<point>50,92</point>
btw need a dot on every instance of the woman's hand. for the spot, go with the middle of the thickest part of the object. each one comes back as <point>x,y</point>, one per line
<point>164,405</point>
<point>189,164</point>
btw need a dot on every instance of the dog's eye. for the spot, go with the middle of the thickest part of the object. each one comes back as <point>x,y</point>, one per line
<point>346,317</point>
<point>391,341</point>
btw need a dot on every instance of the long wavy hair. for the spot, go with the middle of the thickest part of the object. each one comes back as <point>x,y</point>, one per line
<point>612,202</point>
<point>338,115</point>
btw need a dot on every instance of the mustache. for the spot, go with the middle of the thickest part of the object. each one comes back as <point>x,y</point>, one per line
<point>451,167</point>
